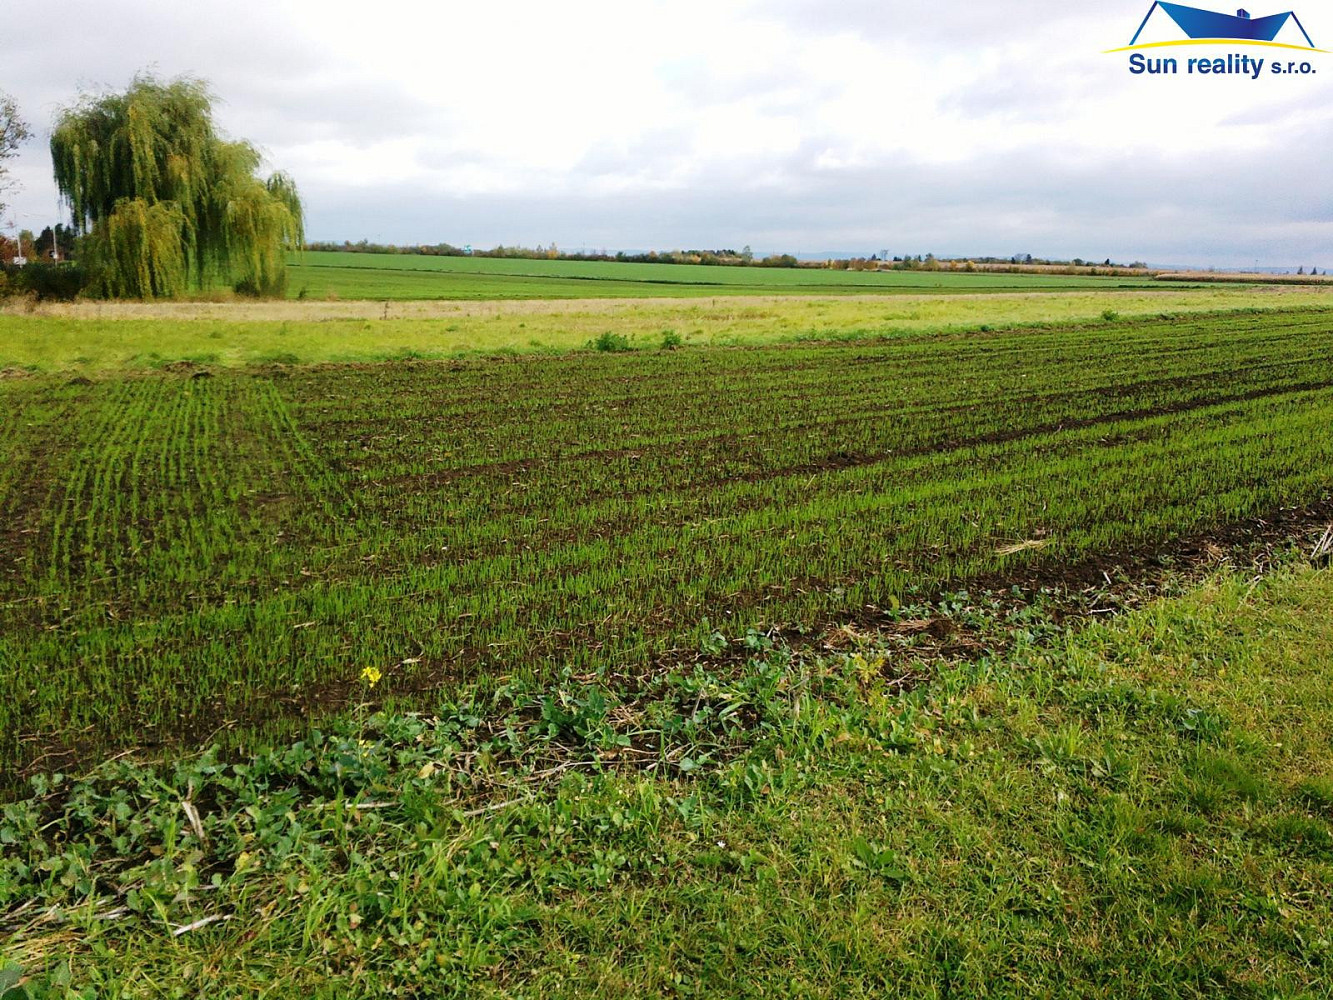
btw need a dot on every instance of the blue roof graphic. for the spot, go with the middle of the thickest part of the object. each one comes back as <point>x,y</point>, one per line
<point>1240,26</point>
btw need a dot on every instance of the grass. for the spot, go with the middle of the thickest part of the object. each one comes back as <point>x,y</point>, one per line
<point>321,274</point>
<point>1138,808</point>
<point>89,338</point>
<point>183,554</point>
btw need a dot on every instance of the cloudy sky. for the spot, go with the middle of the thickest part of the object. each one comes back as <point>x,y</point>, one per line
<point>795,125</point>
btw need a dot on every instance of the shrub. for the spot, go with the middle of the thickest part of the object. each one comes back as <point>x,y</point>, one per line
<point>612,342</point>
<point>251,289</point>
<point>44,281</point>
<point>671,340</point>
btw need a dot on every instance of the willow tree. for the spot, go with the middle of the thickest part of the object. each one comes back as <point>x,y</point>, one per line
<point>165,202</point>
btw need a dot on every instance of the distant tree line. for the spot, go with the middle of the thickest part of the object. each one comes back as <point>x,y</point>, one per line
<point>49,244</point>
<point>734,258</point>
<point>929,262</point>
<point>717,258</point>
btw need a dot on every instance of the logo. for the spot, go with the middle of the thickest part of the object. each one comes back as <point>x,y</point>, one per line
<point>1213,28</point>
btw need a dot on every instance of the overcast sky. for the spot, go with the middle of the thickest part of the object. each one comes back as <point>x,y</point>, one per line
<point>796,125</point>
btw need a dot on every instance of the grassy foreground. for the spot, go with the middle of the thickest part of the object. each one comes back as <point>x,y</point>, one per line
<point>1138,809</point>
<point>88,338</point>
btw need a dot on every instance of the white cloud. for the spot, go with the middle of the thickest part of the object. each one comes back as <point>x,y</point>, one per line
<point>788,124</point>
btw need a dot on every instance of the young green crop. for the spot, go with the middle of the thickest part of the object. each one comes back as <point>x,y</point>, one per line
<point>193,553</point>
<point>320,274</point>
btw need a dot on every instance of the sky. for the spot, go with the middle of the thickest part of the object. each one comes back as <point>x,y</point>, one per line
<point>804,126</point>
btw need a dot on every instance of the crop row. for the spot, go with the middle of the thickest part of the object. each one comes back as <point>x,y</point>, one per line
<point>184,554</point>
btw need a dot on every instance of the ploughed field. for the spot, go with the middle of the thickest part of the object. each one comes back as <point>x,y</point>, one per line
<point>185,558</point>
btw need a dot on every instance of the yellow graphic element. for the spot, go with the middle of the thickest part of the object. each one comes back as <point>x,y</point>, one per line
<point>1215,41</point>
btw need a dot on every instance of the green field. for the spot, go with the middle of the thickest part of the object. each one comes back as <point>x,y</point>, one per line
<point>349,651</point>
<point>183,554</point>
<point>322,274</point>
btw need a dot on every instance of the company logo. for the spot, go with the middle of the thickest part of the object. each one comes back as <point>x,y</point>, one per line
<point>1207,27</point>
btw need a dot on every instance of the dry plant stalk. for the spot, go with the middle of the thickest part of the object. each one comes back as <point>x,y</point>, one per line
<point>1023,546</point>
<point>1324,547</point>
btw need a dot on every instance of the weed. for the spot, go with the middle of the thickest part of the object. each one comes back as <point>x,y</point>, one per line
<point>611,342</point>
<point>730,822</point>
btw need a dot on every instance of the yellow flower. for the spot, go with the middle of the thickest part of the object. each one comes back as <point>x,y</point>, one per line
<point>371,675</point>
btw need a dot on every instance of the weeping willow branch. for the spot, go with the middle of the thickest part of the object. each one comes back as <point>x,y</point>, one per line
<point>167,204</point>
<point>138,251</point>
